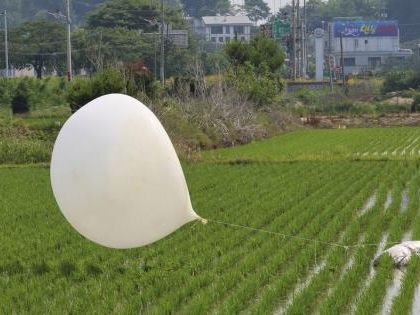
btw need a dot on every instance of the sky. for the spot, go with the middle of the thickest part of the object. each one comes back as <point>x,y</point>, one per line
<point>273,4</point>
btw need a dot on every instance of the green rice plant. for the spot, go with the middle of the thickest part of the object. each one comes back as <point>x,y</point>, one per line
<point>282,254</point>
<point>397,143</point>
<point>373,296</point>
<point>402,304</point>
<point>307,184</point>
<point>310,296</point>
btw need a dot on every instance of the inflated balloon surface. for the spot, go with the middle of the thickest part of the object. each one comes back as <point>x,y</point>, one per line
<point>116,176</point>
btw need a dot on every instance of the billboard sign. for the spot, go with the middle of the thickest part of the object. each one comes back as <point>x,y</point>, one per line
<point>365,28</point>
<point>281,29</point>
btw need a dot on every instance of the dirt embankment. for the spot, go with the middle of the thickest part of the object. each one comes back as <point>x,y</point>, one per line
<point>386,120</point>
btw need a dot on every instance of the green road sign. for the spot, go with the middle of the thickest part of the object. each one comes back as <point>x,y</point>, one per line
<point>281,29</point>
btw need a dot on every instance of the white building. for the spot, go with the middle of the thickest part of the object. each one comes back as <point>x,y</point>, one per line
<point>366,44</point>
<point>221,29</point>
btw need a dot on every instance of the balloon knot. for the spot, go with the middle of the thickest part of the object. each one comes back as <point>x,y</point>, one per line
<point>204,221</point>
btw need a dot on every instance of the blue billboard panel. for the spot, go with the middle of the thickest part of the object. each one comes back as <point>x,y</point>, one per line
<point>365,28</point>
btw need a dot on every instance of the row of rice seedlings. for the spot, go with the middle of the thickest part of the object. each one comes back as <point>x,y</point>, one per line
<point>416,301</point>
<point>192,255</point>
<point>218,196</point>
<point>268,203</point>
<point>232,238</point>
<point>395,287</point>
<point>286,265</point>
<point>309,145</point>
<point>152,285</point>
<point>404,301</point>
<point>344,292</point>
<point>383,226</point>
<point>267,247</point>
<point>211,252</point>
<point>352,278</point>
<point>19,217</point>
<point>239,254</point>
<point>306,301</point>
<point>373,297</point>
<point>269,299</point>
<point>399,144</point>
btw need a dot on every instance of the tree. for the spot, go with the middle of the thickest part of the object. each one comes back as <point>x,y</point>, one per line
<point>101,47</point>
<point>257,10</point>
<point>265,50</point>
<point>261,50</point>
<point>255,70</point>
<point>238,52</point>
<point>199,8</point>
<point>142,15</point>
<point>40,44</point>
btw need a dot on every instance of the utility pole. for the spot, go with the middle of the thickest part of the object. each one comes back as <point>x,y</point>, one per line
<point>298,39</point>
<point>162,44</point>
<point>342,60</point>
<point>294,69</point>
<point>330,70</point>
<point>304,46</point>
<point>68,20</point>
<point>6,44</point>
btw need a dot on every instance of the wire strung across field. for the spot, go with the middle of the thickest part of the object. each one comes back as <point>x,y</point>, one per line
<point>346,247</point>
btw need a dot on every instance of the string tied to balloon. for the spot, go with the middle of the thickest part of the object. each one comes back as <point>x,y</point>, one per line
<point>346,247</point>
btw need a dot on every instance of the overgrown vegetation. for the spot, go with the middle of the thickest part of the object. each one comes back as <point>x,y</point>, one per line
<point>401,80</point>
<point>255,69</point>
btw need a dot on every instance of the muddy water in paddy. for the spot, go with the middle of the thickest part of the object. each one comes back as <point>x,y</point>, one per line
<point>300,287</point>
<point>369,204</point>
<point>304,283</point>
<point>388,200</point>
<point>404,200</point>
<point>416,302</point>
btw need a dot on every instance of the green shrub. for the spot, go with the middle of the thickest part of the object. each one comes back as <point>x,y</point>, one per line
<point>260,87</point>
<point>7,88</point>
<point>401,80</point>
<point>307,96</point>
<point>416,102</point>
<point>83,90</point>
<point>141,83</point>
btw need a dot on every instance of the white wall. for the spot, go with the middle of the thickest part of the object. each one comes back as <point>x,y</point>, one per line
<point>367,44</point>
<point>228,32</point>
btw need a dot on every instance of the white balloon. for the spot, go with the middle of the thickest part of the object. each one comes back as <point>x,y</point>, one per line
<point>116,176</point>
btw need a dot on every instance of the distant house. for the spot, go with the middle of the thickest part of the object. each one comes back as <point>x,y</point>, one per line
<point>221,29</point>
<point>366,44</point>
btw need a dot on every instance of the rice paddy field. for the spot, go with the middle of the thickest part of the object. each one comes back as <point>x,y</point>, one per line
<point>328,202</point>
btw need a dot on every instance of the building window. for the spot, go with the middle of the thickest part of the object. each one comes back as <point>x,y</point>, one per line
<point>366,42</point>
<point>243,38</point>
<point>213,39</point>
<point>356,43</point>
<point>238,29</point>
<point>227,30</point>
<point>349,62</point>
<point>374,61</point>
<point>217,29</point>
<point>220,39</point>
